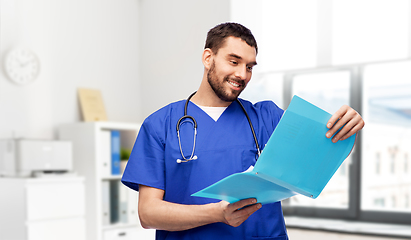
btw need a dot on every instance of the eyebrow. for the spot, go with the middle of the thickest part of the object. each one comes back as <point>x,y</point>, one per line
<point>239,57</point>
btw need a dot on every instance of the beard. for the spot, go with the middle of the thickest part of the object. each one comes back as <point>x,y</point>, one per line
<point>223,92</point>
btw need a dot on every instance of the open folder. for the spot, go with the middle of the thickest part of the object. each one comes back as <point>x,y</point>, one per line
<point>297,159</point>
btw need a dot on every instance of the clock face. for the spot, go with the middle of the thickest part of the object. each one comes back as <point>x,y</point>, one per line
<point>22,66</point>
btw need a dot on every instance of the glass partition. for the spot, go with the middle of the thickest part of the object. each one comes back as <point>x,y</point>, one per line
<point>329,91</point>
<point>386,172</point>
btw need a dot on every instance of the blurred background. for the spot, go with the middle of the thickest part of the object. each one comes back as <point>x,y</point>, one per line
<point>144,54</point>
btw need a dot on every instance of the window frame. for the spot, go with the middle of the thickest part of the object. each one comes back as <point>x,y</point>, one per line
<point>354,211</point>
<point>324,62</point>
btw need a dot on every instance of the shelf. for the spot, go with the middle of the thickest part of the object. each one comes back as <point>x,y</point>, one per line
<point>92,159</point>
<point>106,125</point>
<point>111,178</point>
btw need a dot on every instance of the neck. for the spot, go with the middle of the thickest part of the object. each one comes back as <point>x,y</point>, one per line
<point>206,96</point>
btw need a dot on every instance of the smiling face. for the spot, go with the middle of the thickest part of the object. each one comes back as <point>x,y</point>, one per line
<point>230,68</point>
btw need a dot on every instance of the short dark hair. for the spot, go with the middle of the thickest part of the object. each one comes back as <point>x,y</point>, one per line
<point>217,35</point>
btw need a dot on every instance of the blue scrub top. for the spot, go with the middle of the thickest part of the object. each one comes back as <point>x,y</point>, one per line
<point>223,147</point>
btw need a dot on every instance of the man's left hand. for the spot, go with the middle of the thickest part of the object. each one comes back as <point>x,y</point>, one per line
<point>347,117</point>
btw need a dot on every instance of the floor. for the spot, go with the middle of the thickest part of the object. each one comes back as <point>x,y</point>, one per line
<point>302,234</point>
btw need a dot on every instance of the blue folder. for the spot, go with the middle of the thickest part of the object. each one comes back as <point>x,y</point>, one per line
<point>115,152</point>
<point>298,159</point>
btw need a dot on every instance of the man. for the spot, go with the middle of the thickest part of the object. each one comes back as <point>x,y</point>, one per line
<point>223,145</point>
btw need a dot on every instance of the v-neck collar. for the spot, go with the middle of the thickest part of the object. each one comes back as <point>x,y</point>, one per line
<point>230,121</point>
<point>209,117</point>
<point>214,112</point>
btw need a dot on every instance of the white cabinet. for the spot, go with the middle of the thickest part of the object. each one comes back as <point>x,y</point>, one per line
<point>111,207</point>
<point>122,234</point>
<point>45,208</point>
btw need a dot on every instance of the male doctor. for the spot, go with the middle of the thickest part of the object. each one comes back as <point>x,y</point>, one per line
<point>224,145</point>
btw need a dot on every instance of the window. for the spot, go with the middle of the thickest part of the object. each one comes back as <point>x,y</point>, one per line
<point>394,202</point>
<point>366,36</point>
<point>387,106</point>
<point>265,87</point>
<point>392,160</point>
<point>338,52</point>
<point>379,202</point>
<point>377,163</point>
<point>329,90</point>
<point>284,40</point>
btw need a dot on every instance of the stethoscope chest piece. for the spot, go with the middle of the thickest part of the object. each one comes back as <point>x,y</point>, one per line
<point>183,119</point>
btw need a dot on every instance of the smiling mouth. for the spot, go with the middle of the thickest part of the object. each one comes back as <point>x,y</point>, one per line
<point>234,84</point>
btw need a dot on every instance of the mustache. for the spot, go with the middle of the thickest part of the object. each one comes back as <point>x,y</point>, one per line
<point>239,81</point>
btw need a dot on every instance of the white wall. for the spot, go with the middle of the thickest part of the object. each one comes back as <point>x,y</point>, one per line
<point>81,43</point>
<point>172,37</point>
<point>134,51</point>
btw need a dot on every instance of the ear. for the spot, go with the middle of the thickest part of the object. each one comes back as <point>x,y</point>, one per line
<point>207,58</point>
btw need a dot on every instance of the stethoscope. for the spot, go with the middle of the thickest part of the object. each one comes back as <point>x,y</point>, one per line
<point>187,118</point>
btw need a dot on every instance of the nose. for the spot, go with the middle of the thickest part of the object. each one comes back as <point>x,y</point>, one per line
<point>241,72</point>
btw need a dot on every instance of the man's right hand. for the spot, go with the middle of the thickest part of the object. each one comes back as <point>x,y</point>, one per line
<point>236,213</point>
<point>156,213</point>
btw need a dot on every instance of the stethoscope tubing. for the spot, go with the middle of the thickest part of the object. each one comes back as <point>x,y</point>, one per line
<point>251,127</point>
<point>194,122</point>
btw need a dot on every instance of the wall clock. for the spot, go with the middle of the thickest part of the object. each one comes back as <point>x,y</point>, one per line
<point>22,66</point>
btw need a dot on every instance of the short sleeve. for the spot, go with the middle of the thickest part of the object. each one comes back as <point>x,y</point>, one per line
<point>146,163</point>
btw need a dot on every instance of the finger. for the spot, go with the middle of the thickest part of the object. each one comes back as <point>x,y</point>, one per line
<point>342,127</point>
<point>248,210</point>
<point>343,120</point>
<point>353,130</point>
<point>353,126</point>
<point>338,127</point>
<point>242,203</point>
<point>336,116</point>
<point>241,215</point>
